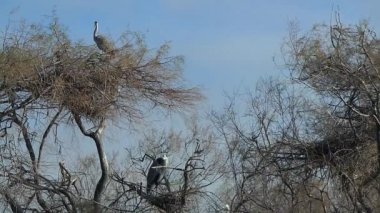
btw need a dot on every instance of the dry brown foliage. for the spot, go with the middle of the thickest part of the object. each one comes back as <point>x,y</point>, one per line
<point>90,83</point>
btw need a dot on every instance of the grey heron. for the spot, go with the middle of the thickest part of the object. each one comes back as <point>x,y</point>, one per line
<point>156,172</point>
<point>102,42</point>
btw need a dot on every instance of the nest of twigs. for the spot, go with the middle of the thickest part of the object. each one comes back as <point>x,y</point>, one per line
<point>352,157</point>
<point>87,88</point>
<point>168,201</point>
<point>90,93</point>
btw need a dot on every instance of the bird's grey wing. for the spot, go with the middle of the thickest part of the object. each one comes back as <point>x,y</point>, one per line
<point>153,176</point>
<point>103,43</point>
<point>152,173</point>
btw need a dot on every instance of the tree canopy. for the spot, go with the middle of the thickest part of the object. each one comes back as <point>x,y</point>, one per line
<point>310,142</point>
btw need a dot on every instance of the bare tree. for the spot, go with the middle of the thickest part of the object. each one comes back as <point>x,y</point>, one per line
<point>341,64</point>
<point>48,80</point>
<point>311,142</point>
<point>194,165</point>
<point>265,170</point>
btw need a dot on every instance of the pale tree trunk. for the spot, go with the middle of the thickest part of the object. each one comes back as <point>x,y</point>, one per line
<point>96,137</point>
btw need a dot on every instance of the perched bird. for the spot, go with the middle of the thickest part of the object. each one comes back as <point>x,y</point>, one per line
<point>102,42</point>
<point>156,172</point>
<point>226,208</point>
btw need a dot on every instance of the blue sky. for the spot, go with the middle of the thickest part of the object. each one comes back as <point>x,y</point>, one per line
<point>227,44</point>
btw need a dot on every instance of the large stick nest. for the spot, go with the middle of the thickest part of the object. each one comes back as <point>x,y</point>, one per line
<point>90,90</point>
<point>98,85</point>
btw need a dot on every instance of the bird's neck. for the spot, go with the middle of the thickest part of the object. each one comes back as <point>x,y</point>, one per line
<point>165,162</point>
<point>95,30</point>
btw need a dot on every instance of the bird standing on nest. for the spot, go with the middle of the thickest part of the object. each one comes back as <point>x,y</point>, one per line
<point>156,172</point>
<point>102,42</point>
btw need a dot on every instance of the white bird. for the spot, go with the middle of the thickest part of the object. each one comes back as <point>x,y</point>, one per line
<point>156,172</point>
<point>226,208</point>
<point>102,42</point>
